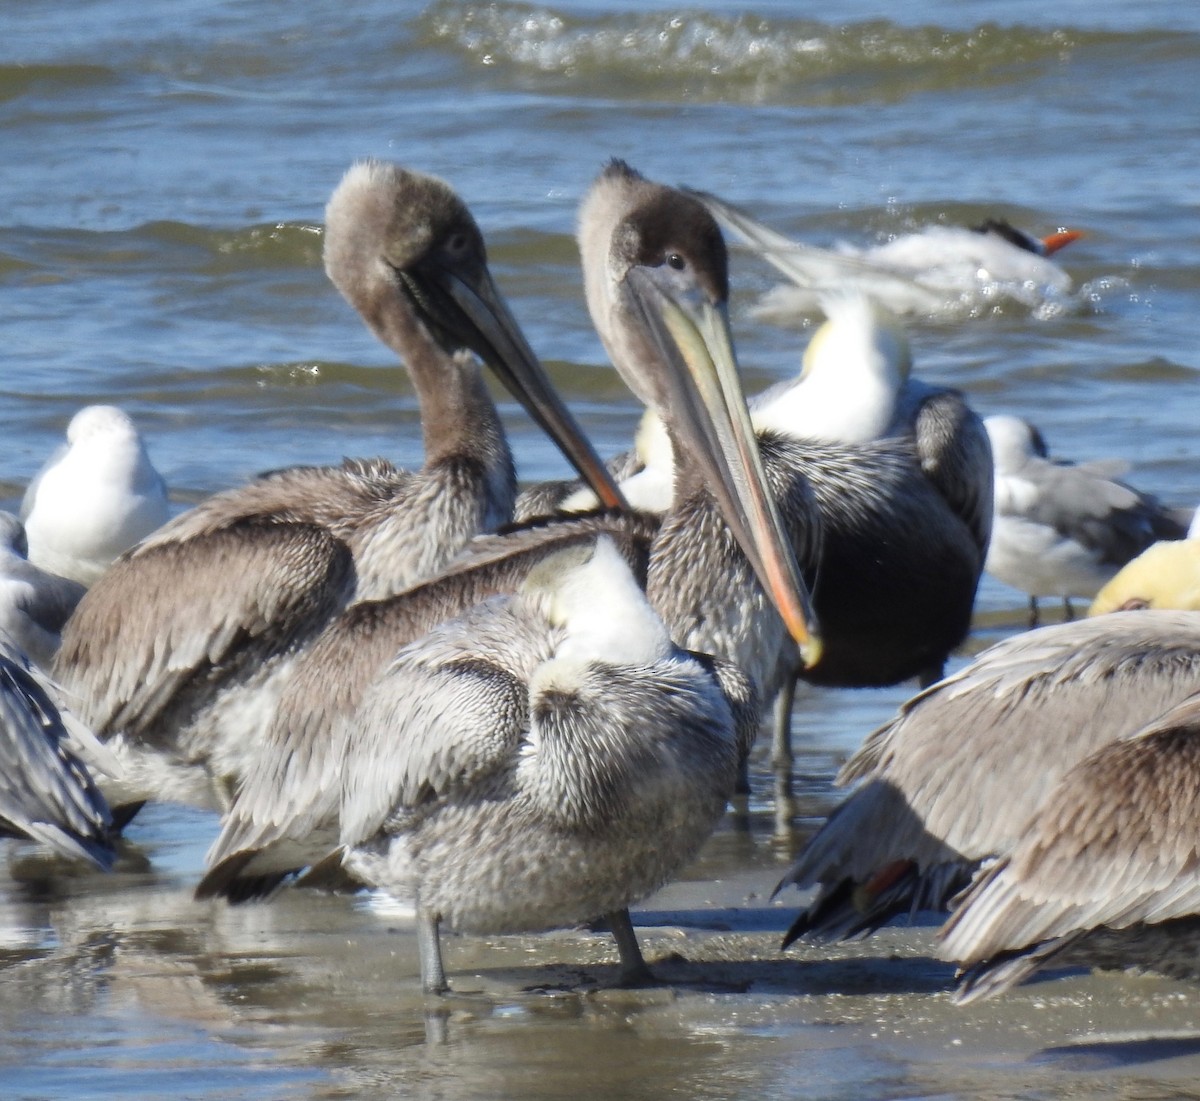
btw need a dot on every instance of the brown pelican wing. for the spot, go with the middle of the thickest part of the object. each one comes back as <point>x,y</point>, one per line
<point>956,456</point>
<point>450,711</point>
<point>45,790</point>
<point>325,496</point>
<point>955,776</point>
<point>163,620</point>
<point>1115,845</point>
<point>294,785</point>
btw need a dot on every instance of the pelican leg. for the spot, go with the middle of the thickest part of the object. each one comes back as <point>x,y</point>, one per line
<point>782,758</point>
<point>781,742</point>
<point>429,945</point>
<point>634,971</point>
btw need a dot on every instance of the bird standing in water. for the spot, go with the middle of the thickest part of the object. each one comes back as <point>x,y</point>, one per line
<point>1063,529</point>
<point>654,258</point>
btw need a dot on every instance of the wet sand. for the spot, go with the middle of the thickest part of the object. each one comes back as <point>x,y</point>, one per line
<point>123,985</point>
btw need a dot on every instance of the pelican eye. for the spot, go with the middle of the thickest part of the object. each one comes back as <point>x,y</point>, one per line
<point>1134,604</point>
<point>674,260</point>
<point>458,244</point>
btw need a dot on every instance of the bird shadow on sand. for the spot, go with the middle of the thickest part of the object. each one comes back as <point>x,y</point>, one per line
<point>1117,1053</point>
<point>686,971</point>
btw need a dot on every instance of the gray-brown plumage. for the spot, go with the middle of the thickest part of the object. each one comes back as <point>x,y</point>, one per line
<point>182,646</point>
<point>285,815</point>
<point>885,487</point>
<point>544,759</point>
<point>34,604</point>
<point>954,779</point>
<point>289,792</point>
<point>47,792</point>
<point>1105,875</point>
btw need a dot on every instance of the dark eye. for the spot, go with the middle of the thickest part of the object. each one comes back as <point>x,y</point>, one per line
<point>1134,604</point>
<point>676,261</point>
<point>458,243</point>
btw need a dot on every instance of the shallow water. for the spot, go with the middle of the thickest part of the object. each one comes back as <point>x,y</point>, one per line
<point>165,172</point>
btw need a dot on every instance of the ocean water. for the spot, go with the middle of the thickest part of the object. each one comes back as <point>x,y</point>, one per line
<point>164,174</point>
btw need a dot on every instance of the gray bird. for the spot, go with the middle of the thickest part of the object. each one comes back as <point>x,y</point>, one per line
<point>180,650</point>
<point>544,759</point>
<point>34,604</point>
<point>1063,529</point>
<point>884,484</point>
<point>47,792</point>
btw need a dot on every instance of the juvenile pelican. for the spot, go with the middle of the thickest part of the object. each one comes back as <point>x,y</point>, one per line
<point>885,487</point>
<point>654,266</point>
<point>1103,875</point>
<point>46,790</point>
<point>1063,529</point>
<point>285,816</point>
<point>544,759</point>
<point>34,604</point>
<point>97,496</point>
<point>954,779</point>
<point>183,644</point>
<point>935,271</point>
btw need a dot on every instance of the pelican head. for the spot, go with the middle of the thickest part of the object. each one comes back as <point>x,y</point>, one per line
<point>1165,575</point>
<point>657,285</point>
<point>862,332</point>
<point>405,251</point>
<point>854,369</point>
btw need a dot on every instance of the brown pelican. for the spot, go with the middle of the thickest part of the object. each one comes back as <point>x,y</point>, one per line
<point>184,642</point>
<point>1165,575</point>
<point>855,388</point>
<point>34,604</point>
<point>542,760</point>
<point>286,814</point>
<point>885,487</point>
<point>94,498</point>
<point>954,779</point>
<point>938,270</point>
<point>1105,873</point>
<point>1063,529</point>
<point>46,790</point>
<point>655,267</point>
